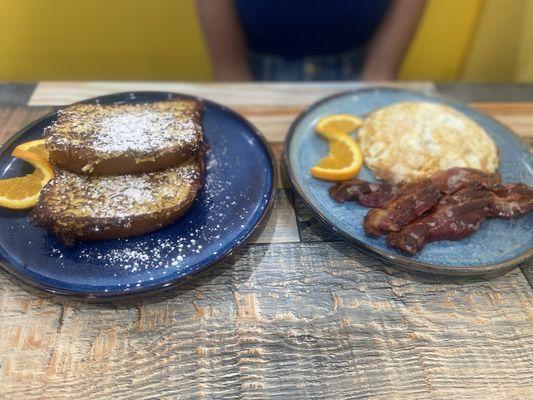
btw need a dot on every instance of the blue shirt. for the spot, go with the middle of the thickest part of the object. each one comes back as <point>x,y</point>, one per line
<point>295,29</point>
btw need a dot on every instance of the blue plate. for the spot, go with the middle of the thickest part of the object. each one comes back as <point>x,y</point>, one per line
<point>498,245</point>
<point>237,196</point>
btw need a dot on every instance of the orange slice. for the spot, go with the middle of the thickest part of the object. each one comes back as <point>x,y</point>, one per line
<point>338,124</point>
<point>23,192</point>
<point>343,161</point>
<point>35,146</point>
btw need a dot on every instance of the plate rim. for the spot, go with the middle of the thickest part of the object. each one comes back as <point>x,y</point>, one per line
<point>101,296</point>
<point>399,260</point>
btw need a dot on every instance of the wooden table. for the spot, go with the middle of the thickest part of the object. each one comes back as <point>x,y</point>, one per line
<point>296,314</point>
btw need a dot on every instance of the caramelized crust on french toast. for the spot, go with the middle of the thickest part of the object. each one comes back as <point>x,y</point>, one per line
<point>120,139</point>
<point>81,207</point>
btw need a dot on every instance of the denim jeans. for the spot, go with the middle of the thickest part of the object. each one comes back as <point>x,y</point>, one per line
<point>344,66</point>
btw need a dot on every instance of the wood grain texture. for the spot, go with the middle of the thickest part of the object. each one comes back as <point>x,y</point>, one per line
<point>312,319</point>
<point>274,121</point>
<point>527,269</point>
<point>12,119</point>
<point>282,178</point>
<point>281,226</point>
<point>15,94</point>
<point>270,106</point>
<point>488,92</point>
<point>291,94</point>
<point>305,320</point>
<point>311,230</point>
<point>517,116</point>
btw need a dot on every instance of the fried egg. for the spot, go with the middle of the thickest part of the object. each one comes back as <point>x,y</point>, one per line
<point>412,140</point>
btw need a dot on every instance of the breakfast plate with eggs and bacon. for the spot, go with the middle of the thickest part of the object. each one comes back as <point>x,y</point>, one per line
<point>420,181</point>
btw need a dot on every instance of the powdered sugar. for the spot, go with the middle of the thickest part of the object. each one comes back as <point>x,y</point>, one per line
<point>223,209</point>
<point>119,196</point>
<point>138,194</point>
<point>117,129</point>
<point>141,130</point>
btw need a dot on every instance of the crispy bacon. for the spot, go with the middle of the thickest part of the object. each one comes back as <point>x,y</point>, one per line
<point>451,205</point>
<point>455,179</point>
<point>412,201</point>
<point>454,218</point>
<point>511,201</point>
<point>368,194</point>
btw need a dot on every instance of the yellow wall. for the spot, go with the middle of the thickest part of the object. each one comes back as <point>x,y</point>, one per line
<point>524,62</point>
<point>101,39</point>
<point>473,40</point>
<point>442,41</point>
<point>502,49</point>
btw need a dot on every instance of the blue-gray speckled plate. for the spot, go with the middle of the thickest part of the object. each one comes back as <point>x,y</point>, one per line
<point>498,245</point>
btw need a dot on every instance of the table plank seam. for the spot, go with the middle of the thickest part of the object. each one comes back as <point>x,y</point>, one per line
<point>292,195</point>
<point>530,280</point>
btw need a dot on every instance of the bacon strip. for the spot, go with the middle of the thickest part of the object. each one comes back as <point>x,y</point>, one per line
<point>454,218</point>
<point>412,202</point>
<point>368,194</point>
<point>451,205</point>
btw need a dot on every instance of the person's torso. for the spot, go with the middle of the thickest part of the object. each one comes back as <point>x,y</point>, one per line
<point>298,28</point>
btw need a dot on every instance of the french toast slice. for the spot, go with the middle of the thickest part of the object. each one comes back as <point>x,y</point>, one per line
<point>81,207</point>
<point>120,139</point>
